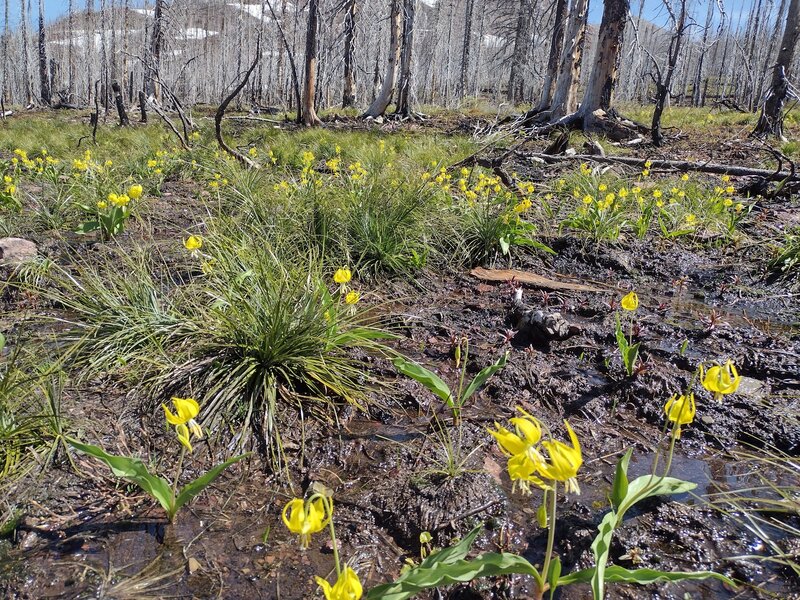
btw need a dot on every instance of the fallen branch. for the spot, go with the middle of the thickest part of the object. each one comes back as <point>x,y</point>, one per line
<point>221,113</point>
<point>678,165</point>
<point>169,123</point>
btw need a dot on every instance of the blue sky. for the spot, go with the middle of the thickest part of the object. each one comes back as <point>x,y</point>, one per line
<point>653,11</point>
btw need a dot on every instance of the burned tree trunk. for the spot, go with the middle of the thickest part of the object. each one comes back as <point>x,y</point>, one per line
<point>556,45</point>
<point>565,98</point>
<point>44,78</point>
<point>403,101</point>
<point>123,116</point>
<point>349,89</point>
<point>600,89</point>
<point>384,97</point>
<point>664,80</point>
<point>153,60</point>
<point>465,48</point>
<point>310,117</point>
<point>771,120</point>
<point>521,37</point>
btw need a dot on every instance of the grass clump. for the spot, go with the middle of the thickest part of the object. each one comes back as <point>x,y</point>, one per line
<point>235,327</point>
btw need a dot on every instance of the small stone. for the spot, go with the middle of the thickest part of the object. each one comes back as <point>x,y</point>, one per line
<point>193,566</point>
<point>379,120</point>
<point>707,420</point>
<point>16,250</point>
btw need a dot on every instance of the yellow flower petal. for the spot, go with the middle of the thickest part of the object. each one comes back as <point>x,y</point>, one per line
<point>630,301</point>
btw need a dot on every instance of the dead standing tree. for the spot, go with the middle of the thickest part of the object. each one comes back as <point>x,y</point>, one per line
<point>404,91</point>
<point>663,79</point>
<point>310,117</point>
<point>349,87</point>
<point>771,120</point>
<point>153,60</point>
<point>384,97</point>
<point>556,49</point>
<point>44,78</point>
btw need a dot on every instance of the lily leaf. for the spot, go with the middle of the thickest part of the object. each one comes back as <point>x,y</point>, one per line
<point>418,579</point>
<point>198,485</point>
<point>482,377</point>
<point>505,244</point>
<point>422,375</point>
<point>88,227</point>
<point>132,469</point>
<point>620,487</point>
<point>617,574</point>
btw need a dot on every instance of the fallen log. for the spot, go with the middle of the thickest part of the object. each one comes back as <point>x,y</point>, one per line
<point>536,280</point>
<point>677,165</point>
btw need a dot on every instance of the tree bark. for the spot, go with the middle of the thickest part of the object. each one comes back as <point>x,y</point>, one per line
<point>153,60</point>
<point>310,117</point>
<point>403,93</point>
<point>384,97</point>
<point>565,98</point>
<point>465,48</point>
<point>26,76</point>
<point>556,46</point>
<point>600,89</point>
<point>771,120</point>
<point>123,116</point>
<point>516,82</point>
<point>664,82</point>
<point>349,89</point>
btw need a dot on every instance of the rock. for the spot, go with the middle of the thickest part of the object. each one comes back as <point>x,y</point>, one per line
<point>14,251</point>
<point>193,565</point>
<point>753,389</point>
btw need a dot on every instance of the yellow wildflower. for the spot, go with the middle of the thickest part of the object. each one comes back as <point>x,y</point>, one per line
<point>721,380</point>
<point>681,411</point>
<point>307,517</point>
<point>342,276</point>
<point>352,297</point>
<point>193,243</point>
<point>347,586</point>
<point>135,192</point>
<point>630,301</point>
<point>186,409</point>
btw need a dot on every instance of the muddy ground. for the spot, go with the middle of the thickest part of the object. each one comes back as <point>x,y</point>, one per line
<point>87,535</point>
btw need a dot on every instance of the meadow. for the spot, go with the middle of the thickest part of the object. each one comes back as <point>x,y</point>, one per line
<point>372,367</point>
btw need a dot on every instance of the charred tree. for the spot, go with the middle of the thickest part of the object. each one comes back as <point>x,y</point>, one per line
<point>153,60</point>
<point>556,47</point>
<point>123,116</point>
<point>45,94</point>
<point>384,97</point>
<point>349,88</point>
<point>404,91</point>
<point>771,120</point>
<point>310,117</point>
<point>565,98</point>
<point>465,48</point>
<point>663,79</point>
<point>516,82</point>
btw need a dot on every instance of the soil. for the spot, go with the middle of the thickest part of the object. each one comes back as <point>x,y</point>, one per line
<point>83,534</point>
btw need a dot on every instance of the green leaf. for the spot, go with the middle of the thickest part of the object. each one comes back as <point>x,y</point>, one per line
<point>88,227</point>
<point>640,488</point>
<point>198,485</point>
<point>648,486</point>
<point>600,548</point>
<point>2,341</point>
<point>132,469</point>
<point>425,377</point>
<point>532,243</point>
<point>419,578</point>
<point>630,357</point>
<point>555,573</point>
<point>616,574</point>
<point>622,342</point>
<point>482,377</point>
<point>619,489</point>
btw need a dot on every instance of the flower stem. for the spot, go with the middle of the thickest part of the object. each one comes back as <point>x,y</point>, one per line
<point>177,477</point>
<point>551,532</point>
<point>329,505</point>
